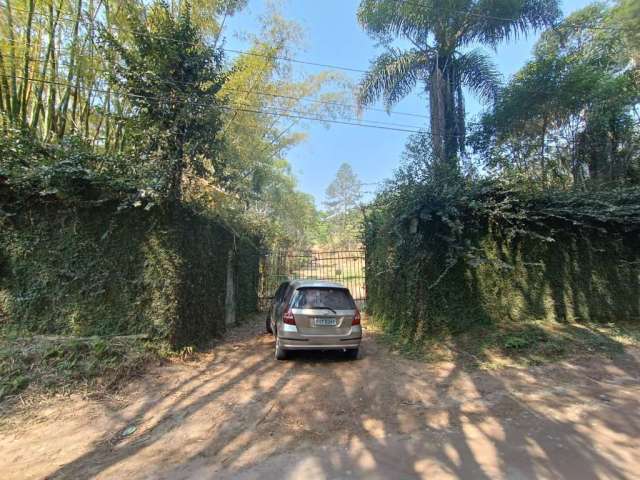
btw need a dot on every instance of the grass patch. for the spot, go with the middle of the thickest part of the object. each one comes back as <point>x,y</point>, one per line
<point>514,343</point>
<point>62,364</point>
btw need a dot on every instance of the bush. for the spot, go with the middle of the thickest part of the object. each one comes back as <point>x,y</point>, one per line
<point>87,250</point>
<point>87,269</point>
<point>451,258</point>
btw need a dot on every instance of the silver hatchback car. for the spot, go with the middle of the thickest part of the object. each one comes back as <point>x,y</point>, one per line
<point>314,315</point>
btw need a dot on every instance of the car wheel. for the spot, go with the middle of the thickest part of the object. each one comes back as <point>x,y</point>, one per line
<point>352,353</point>
<point>281,353</point>
<point>268,325</point>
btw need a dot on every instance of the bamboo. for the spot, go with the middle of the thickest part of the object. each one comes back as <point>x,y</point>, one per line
<point>39,106</point>
<point>13,104</point>
<point>25,84</point>
<point>72,70</point>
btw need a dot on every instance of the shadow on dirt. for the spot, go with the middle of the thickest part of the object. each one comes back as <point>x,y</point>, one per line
<point>319,415</point>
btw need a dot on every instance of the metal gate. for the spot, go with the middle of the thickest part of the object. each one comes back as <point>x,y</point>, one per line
<point>344,266</point>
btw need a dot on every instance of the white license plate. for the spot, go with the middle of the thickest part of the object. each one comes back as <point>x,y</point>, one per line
<point>325,322</point>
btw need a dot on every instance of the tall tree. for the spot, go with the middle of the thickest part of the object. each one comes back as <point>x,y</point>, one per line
<point>442,57</point>
<point>626,15</point>
<point>172,78</point>
<point>567,117</point>
<point>343,197</point>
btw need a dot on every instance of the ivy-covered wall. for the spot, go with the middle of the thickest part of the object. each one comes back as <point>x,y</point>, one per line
<point>97,269</point>
<point>447,264</point>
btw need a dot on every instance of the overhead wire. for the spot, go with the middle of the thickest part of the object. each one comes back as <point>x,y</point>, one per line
<point>576,25</point>
<point>250,108</point>
<point>305,98</point>
<point>306,116</point>
<point>273,110</point>
<point>94,21</point>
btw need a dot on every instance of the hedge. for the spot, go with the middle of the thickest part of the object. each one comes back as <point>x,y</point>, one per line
<point>448,262</point>
<point>96,268</point>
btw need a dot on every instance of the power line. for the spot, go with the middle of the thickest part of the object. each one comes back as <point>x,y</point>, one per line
<point>256,109</point>
<point>257,92</point>
<point>577,25</point>
<point>230,50</point>
<point>274,111</point>
<point>272,107</point>
<point>294,60</point>
<point>249,108</point>
<point>93,21</point>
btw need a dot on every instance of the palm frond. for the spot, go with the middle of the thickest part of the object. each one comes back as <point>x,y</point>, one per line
<point>392,76</point>
<point>385,19</point>
<point>478,73</point>
<point>494,22</point>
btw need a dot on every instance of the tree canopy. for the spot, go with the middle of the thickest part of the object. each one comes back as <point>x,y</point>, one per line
<point>342,203</point>
<point>569,116</point>
<point>143,94</point>
<point>444,57</point>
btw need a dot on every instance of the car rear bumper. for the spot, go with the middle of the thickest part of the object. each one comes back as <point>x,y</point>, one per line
<point>291,340</point>
<point>289,344</point>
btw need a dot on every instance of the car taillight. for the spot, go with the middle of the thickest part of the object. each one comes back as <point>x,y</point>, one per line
<point>288,317</point>
<point>356,318</point>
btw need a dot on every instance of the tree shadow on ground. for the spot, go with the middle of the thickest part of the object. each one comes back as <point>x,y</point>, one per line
<point>319,415</point>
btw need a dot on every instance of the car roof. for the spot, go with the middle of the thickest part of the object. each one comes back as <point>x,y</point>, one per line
<point>315,283</point>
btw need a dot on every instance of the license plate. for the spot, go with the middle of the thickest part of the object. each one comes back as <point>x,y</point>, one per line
<point>325,322</point>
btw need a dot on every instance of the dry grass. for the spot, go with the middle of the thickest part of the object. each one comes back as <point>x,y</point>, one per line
<point>39,365</point>
<point>516,343</point>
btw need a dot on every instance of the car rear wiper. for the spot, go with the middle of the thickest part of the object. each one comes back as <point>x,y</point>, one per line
<point>324,308</point>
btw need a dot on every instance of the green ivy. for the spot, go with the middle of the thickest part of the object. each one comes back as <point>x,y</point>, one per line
<point>445,258</point>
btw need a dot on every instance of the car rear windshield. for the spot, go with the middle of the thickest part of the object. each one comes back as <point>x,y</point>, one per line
<point>315,297</point>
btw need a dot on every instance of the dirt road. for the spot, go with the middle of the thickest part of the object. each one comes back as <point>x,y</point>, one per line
<point>237,413</point>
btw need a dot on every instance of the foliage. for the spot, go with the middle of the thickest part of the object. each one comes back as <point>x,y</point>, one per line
<point>55,72</point>
<point>447,257</point>
<point>171,78</point>
<point>68,170</point>
<point>100,269</point>
<point>537,235</point>
<point>57,363</point>
<point>442,56</point>
<point>625,15</point>
<point>523,343</point>
<point>258,89</point>
<point>139,95</point>
<point>342,204</point>
<point>568,118</point>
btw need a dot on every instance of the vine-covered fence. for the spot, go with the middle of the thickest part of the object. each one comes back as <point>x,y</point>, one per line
<point>439,263</point>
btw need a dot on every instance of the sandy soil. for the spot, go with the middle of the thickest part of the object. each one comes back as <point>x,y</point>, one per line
<point>238,413</point>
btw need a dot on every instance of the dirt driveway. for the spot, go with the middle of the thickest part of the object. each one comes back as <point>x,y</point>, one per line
<point>237,413</point>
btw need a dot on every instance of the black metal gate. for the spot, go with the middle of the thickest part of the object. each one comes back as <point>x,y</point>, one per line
<point>344,266</point>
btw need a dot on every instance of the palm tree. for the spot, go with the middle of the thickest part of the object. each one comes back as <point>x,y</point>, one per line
<point>443,34</point>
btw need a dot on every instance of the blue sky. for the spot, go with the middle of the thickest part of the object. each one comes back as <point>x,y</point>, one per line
<point>333,36</point>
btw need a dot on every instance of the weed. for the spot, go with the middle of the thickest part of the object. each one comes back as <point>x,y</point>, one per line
<point>511,343</point>
<point>516,342</point>
<point>42,363</point>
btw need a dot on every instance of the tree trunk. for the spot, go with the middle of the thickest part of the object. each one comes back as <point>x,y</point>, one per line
<point>445,115</point>
<point>450,118</point>
<point>64,102</point>
<point>24,86</point>
<point>39,106</point>
<point>436,111</point>
<point>50,112</point>
<point>13,96</point>
<point>5,96</point>
<point>543,163</point>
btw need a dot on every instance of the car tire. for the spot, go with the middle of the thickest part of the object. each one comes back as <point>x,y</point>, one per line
<point>352,353</point>
<point>268,325</point>
<point>281,353</point>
